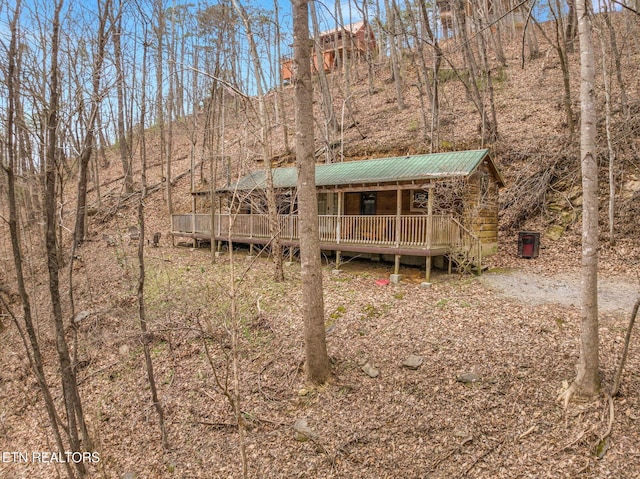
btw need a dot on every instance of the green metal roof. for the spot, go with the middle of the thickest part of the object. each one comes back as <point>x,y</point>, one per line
<point>382,170</point>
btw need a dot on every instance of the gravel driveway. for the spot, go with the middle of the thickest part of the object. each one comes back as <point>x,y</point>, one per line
<point>614,295</point>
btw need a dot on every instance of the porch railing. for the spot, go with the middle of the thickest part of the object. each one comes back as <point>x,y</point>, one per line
<point>390,230</point>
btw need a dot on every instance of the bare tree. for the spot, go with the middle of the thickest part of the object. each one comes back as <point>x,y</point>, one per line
<point>395,54</point>
<point>30,340</point>
<point>88,146</point>
<point>587,381</point>
<point>317,361</point>
<point>331,123</point>
<point>123,144</point>
<point>144,333</point>
<point>559,44</point>
<point>73,405</point>
<point>276,248</point>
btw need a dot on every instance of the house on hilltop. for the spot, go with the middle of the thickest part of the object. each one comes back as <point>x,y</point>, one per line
<point>350,41</point>
<point>441,205</point>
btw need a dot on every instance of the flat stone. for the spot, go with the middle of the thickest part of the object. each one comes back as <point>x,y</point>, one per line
<point>289,263</point>
<point>468,378</point>
<point>461,433</point>
<point>303,432</point>
<point>81,316</point>
<point>370,370</point>
<point>336,272</point>
<point>217,254</point>
<point>425,285</point>
<point>413,362</point>
<point>395,278</point>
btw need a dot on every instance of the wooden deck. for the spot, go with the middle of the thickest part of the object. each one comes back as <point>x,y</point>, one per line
<point>413,235</point>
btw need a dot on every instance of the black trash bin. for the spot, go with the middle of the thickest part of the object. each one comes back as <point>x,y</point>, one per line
<point>528,244</point>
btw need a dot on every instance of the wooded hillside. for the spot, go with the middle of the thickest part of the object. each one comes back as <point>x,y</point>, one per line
<point>153,360</point>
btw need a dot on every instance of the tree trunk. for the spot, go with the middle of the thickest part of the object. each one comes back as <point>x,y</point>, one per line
<point>587,381</point>
<point>159,30</point>
<point>279,96</point>
<point>327,100</point>
<point>570,32</point>
<point>606,81</point>
<point>89,139</point>
<point>75,418</point>
<point>123,146</point>
<point>615,52</point>
<point>144,335</point>
<point>395,61</point>
<point>317,361</point>
<point>32,346</point>
<point>560,46</point>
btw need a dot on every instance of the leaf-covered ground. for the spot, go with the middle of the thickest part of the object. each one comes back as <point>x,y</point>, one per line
<point>403,423</point>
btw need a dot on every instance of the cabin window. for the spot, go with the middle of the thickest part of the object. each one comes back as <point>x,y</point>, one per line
<point>419,200</point>
<point>368,204</point>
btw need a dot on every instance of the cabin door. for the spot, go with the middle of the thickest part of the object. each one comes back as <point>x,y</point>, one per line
<point>328,203</point>
<point>368,204</point>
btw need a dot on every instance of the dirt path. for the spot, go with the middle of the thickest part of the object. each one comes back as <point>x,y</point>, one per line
<point>614,295</point>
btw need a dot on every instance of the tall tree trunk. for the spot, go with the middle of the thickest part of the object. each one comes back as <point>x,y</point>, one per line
<point>492,123</point>
<point>32,346</point>
<point>423,71</point>
<point>560,46</point>
<point>123,145</point>
<point>615,52</point>
<point>473,89</point>
<point>317,361</point>
<point>89,139</point>
<point>572,19</point>
<point>435,95</point>
<point>327,100</point>
<point>587,381</point>
<point>75,418</point>
<point>606,81</point>
<point>282,112</point>
<point>159,30</point>
<point>141,271</point>
<point>393,51</point>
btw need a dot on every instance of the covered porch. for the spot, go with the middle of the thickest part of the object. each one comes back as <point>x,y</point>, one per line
<point>399,235</point>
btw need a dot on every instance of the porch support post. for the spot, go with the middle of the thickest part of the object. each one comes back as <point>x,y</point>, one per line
<point>251,223</point>
<point>219,216</point>
<point>218,251</point>
<point>398,215</point>
<point>396,276</point>
<point>338,231</point>
<point>339,219</point>
<point>429,233</point>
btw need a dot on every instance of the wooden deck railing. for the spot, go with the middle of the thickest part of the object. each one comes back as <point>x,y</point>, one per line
<point>389,230</point>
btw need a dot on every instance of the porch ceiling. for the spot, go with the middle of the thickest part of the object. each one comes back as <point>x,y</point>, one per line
<point>383,170</point>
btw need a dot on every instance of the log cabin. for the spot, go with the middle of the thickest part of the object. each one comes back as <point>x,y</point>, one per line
<point>441,205</point>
